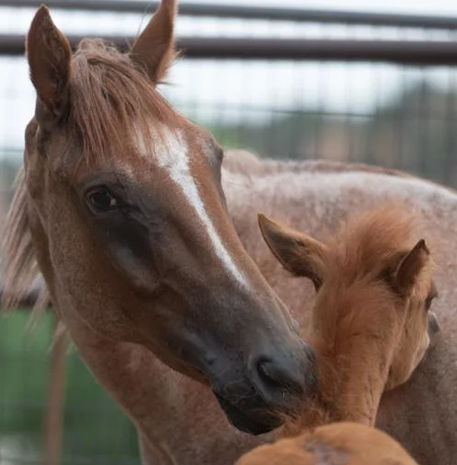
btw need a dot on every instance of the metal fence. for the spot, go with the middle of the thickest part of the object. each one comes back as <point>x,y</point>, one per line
<point>285,83</point>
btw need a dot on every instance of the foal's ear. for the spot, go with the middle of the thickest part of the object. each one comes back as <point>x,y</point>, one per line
<point>154,48</point>
<point>411,266</point>
<point>49,56</point>
<point>298,253</point>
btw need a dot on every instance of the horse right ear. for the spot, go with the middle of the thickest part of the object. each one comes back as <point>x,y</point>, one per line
<point>299,254</point>
<point>411,266</point>
<point>49,57</point>
<point>154,49</point>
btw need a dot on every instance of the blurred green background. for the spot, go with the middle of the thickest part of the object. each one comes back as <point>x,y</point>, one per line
<point>94,426</point>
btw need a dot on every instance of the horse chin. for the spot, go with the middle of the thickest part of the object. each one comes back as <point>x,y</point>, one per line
<point>262,423</point>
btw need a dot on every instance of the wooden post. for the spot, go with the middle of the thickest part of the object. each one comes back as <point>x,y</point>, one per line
<point>53,421</point>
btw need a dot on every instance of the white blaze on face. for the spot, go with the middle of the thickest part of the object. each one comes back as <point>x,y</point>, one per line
<point>170,149</point>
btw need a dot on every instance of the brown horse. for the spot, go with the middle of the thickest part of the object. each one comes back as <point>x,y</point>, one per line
<point>371,326</point>
<point>120,207</point>
<point>370,322</point>
<point>335,444</point>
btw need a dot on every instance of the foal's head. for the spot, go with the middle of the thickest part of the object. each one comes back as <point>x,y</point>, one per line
<point>371,317</point>
<point>131,229</point>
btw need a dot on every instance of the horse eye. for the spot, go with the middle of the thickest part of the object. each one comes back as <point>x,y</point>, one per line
<point>429,300</point>
<point>101,200</point>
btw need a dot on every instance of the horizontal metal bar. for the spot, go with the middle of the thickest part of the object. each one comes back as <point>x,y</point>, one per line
<point>403,52</point>
<point>250,12</point>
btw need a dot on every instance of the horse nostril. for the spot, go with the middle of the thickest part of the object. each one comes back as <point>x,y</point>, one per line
<point>281,375</point>
<point>270,373</point>
<point>282,378</point>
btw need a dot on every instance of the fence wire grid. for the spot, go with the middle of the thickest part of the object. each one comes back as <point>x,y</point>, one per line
<point>392,115</point>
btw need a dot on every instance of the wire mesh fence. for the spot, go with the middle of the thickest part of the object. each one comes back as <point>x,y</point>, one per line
<point>389,114</point>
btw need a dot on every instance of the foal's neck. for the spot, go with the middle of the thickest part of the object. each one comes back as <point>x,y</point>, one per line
<point>350,384</point>
<point>363,372</point>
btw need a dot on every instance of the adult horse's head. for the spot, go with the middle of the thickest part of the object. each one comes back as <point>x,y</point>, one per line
<point>131,230</point>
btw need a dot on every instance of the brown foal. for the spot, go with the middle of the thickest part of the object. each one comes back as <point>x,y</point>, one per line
<point>371,327</point>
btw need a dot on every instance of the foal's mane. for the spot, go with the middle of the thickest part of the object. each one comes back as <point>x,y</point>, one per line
<point>111,98</point>
<point>366,243</point>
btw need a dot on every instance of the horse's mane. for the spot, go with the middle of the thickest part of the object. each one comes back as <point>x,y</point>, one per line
<point>110,96</point>
<point>20,268</point>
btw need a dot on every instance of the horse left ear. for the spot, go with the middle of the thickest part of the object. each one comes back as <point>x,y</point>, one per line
<point>154,49</point>
<point>49,58</point>
<point>411,267</point>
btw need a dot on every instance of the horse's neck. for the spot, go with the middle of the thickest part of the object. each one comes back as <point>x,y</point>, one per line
<point>124,369</point>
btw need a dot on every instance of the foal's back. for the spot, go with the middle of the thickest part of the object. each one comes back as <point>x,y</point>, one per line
<point>337,443</point>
